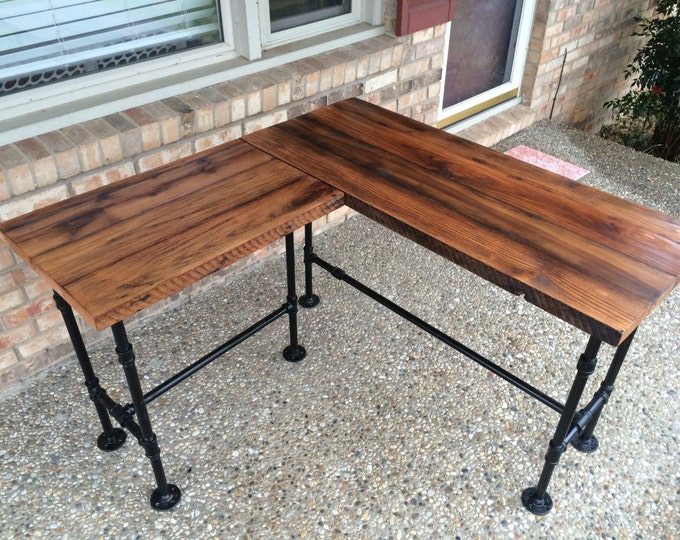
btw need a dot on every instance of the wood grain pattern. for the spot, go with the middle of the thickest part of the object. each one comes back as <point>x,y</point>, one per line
<point>113,251</point>
<point>595,260</point>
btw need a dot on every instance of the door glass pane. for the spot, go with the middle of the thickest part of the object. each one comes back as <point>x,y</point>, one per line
<point>285,14</point>
<point>481,47</point>
<point>45,41</point>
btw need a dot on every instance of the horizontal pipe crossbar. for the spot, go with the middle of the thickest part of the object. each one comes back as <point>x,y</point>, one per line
<point>215,354</point>
<point>441,336</point>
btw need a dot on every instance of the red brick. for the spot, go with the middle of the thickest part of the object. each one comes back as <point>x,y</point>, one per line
<point>264,121</point>
<point>269,98</point>
<point>220,105</point>
<point>338,75</point>
<point>8,358</point>
<point>41,161</point>
<point>11,157</point>
<point>37,288</point>
<point>65,153</point>
<point>30,348</point>
<point>148,125</point>
<point>218,137</point>
<point>203,111</point>
<point>254,102</point>
<point>168,119</point>
<point>22,274</point>
<point>16,170</point>
<point>103,178</point>
<point>6,259</point>
<point>21,179</point>
<point>166,155</point>
<point>29,311</point>
<point>11,300</point>
<point>22,205</point>
<point>49,319</point>
<point>362,67</point>
<point>7,282</point>
<point>422,35</point>
<point>386,59</point>
<point>374,63</point>
<point>410,70</point>
<point>237,108</point>
<point>13,337</point>
<point>109,140</point>
<point>129,133</point>
<point>312,83</point>
<point>284,92</point>
<point>88,146</point>
<point>186,116</point>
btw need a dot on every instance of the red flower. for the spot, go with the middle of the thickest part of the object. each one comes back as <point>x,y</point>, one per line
<point>658,90</point>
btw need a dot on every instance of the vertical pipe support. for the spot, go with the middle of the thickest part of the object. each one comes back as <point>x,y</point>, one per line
<point>294,352</point>
<point>536,499</point>
<point>111,438</point>
<point>586,441</point>
<point>309,299</point>
<point>165,496</point>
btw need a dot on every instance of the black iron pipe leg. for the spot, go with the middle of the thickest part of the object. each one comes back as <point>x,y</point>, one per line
<point>536,499</point>
<point>294,352</point>
<point>309,299</point>
<point>111,438</point>
<point>165,496</point>
<point>586,441</point>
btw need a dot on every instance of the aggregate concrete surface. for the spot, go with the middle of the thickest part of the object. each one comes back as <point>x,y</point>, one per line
<point>381,432</point>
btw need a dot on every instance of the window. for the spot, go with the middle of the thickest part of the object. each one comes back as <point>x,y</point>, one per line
<point>285,14</point>
<point>69,61</point>
<point>284,21</point>
<point>46,41</point>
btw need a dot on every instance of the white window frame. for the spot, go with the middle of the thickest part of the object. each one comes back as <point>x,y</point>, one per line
<point>242,52</point>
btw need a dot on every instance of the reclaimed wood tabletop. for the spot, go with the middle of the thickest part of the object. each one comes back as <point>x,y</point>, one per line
<point>118,249</point>
<point>593,259</point>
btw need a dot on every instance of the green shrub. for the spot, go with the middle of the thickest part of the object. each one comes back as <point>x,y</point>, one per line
<point>648,116</point>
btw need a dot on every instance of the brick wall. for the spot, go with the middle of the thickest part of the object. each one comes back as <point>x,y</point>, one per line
<point>597,35</point>
<point>401,74</point>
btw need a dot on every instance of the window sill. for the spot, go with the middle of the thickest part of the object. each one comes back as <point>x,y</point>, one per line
<point>31,119</point>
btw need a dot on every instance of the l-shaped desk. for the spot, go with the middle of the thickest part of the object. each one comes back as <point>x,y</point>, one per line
<point>594,260</point>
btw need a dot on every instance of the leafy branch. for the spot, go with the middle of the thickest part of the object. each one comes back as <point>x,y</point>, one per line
<point>648,116</point>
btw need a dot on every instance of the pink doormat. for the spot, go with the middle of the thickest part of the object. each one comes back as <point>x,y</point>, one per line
<point>545,161</point>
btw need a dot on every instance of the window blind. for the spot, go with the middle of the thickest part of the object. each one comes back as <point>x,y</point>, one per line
<point>44,41</point>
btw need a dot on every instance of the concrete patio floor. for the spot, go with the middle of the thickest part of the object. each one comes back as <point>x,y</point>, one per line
<point>381,432</point>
